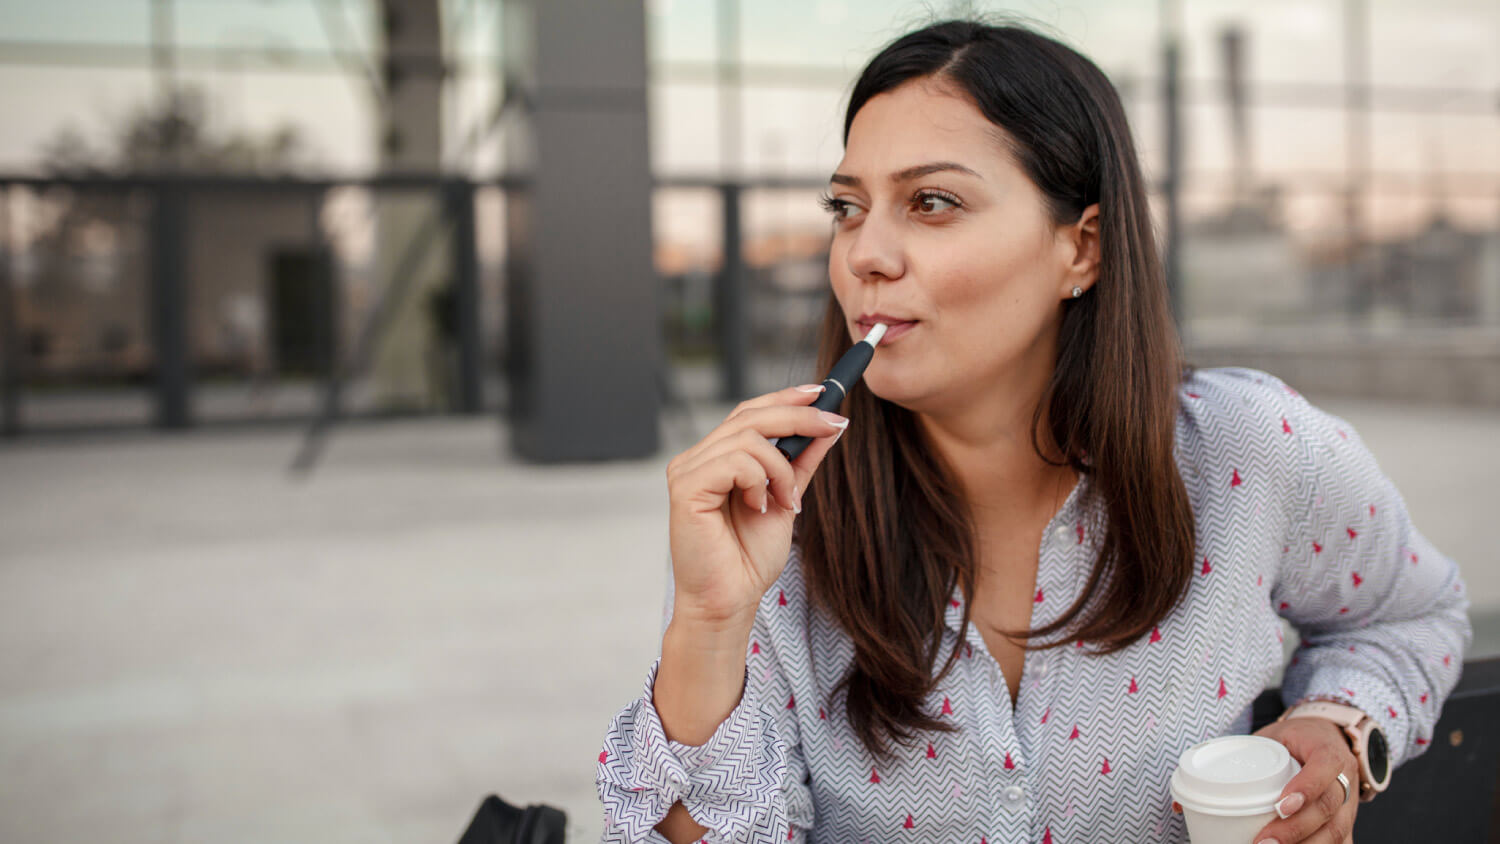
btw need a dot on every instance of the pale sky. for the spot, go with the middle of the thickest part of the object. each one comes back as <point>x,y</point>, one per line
<point>1435,43</point>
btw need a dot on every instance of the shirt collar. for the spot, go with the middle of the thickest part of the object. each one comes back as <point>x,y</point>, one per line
<point>1069,514</point>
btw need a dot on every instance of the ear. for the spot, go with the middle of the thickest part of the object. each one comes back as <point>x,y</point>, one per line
<point>1082,238</point>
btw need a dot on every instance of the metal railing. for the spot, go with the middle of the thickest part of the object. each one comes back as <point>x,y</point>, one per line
<point>168,290</point>
<point>735,289</point>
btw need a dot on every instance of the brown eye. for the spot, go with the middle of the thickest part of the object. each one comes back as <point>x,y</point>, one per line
<point>933,203</point>
<point>839,208</point>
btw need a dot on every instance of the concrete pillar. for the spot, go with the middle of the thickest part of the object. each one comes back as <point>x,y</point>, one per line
<point>583,301</point>
<point>171,351</point>
<point>10,343</point>
<point>1489,280</point>
<point>412,71</point>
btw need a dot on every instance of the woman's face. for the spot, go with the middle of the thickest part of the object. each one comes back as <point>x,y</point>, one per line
<point>934,222</point>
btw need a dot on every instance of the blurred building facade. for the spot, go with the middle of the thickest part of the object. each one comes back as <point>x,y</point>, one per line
<point>1337,207</point>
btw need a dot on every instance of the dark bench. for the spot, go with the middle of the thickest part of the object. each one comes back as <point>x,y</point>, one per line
<point>1447,794</point>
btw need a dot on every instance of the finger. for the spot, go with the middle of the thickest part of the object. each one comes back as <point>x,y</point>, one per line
<point>1322,797</point>
<point>763,422</point>
<point>782,423</point>
<point>779,473</point>
<point>1339,826</point>
<point>807,463</point>
<point>714,481</point>
<point>734,423</point>
<point>1326,834</point>
<point>1344,831</point>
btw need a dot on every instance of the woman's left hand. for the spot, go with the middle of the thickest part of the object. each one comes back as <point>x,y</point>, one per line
<point>1312,805</point>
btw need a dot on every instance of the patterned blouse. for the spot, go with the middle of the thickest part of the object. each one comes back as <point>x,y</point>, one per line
<point>1294,520</point>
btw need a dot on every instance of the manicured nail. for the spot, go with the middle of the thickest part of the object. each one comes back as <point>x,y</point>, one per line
<point>834,419</point>
<point>1268,841</point>
<point>796,501</point>
<point>836,437</point>
<point>812,388</point>
<point>762,508</point>
<point>1289,805</point>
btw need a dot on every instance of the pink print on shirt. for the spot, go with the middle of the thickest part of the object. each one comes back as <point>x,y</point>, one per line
<point>803,768</point>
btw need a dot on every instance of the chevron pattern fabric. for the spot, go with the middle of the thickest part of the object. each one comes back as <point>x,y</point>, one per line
<point>1294,520</point>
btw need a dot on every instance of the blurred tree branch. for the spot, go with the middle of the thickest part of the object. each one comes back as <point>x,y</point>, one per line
<point>176,133</point>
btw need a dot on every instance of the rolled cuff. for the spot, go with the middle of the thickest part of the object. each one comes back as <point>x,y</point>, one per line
<point>730,784</point>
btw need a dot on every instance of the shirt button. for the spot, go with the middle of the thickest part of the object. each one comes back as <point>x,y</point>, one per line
<point>1013,797</point>
<point>1062,532</point>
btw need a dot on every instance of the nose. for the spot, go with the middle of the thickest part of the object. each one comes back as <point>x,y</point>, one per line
<point>875,252</point>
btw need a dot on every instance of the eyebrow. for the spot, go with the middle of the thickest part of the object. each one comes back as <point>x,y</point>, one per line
<point>909,173</point>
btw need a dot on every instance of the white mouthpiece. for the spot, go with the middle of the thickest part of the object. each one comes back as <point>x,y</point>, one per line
<point>873,338</point>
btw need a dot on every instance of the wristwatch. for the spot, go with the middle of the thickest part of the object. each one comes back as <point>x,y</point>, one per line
<point>1365,738</point>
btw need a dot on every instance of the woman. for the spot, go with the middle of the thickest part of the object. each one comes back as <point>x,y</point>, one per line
<point>1049,559</point>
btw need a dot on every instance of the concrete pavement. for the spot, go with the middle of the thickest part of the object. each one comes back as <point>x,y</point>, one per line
<point>195,647</point>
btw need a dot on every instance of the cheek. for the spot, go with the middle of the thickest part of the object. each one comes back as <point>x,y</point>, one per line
<point>991,299</point>
<point>998,278</point>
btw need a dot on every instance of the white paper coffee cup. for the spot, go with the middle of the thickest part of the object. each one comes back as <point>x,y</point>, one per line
<point>1228,787</point>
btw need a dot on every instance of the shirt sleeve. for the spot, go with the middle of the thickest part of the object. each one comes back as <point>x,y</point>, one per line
<point>747,783</point>
<point>1381,612</point>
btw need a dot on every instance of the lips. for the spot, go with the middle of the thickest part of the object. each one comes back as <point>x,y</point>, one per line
<point>894,325</point>
<point>896,328</point>
<point>889,323</point>
<point>871,319</point>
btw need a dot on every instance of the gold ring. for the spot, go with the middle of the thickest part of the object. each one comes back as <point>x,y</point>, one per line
<point>1344,781</point>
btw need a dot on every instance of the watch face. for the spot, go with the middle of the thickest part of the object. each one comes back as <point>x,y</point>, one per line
<point>1376,756</point>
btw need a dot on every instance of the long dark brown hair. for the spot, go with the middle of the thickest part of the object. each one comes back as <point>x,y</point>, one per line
<point>896,534</point>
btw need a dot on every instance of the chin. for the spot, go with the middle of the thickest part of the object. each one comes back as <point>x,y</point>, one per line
<point>897,391</point>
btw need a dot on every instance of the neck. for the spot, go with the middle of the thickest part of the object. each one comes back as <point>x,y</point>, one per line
<point>988,445</point>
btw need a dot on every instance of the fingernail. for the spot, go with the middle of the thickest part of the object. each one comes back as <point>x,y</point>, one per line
<point>1268,841</point>
<point>796,501</point>
<point>811,388</point>
<point>836,437</point>
<point>1289,805</point>
<point>834,419</point>
<point>762,508</point>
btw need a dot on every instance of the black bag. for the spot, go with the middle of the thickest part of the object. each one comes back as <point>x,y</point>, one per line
<point>498,822</point>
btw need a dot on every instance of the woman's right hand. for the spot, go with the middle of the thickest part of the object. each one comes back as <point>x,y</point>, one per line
<point>733,498</point>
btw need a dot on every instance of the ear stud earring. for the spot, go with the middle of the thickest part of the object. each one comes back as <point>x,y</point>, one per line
<point>1077,291</point>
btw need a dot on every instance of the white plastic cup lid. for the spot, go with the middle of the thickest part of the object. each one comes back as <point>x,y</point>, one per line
<point>1233,775</point>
